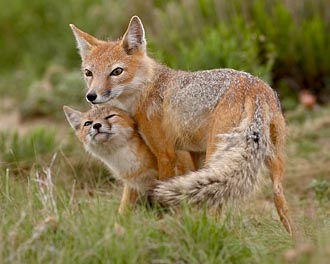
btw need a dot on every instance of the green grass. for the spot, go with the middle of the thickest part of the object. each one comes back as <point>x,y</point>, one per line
<point>15,148</point>
<point>83,231</point>
<point>62,208</point>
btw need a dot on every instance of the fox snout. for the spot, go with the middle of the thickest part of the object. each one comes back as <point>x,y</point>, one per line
<point>91,97</point>
<point>100,133</point>
<point>98,98</point>
<point>97,126</point>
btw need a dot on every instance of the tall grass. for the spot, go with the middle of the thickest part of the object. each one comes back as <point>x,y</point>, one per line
<point>63,209</point>
<point>83,230</point>
<point>15,149</point>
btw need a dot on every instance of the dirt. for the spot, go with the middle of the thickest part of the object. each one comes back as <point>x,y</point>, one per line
<point>10,119</point>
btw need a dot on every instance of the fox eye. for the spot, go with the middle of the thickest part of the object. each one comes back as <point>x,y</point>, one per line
<point>117,71</point>
<point>88,123</point>
<point>109,116</point>
<point>88,73</point>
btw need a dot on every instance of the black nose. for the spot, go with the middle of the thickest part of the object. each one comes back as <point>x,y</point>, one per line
<point>97,125</point>
<point>91,97</point>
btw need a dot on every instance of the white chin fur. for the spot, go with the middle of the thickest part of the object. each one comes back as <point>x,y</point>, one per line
<point>101,137</point>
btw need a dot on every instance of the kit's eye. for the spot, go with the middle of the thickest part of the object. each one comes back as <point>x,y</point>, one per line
<point>88,123</point>
<point>88,73</point>
<point>117,71</point>
<point>109,116</point>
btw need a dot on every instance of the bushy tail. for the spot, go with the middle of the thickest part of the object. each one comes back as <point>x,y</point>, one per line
<point>232,171</point>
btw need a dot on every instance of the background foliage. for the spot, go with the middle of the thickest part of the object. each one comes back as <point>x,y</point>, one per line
<point>284,42</point>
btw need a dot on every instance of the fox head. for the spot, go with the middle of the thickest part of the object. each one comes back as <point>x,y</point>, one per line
<point>114,69</point>
<point>104,126</point>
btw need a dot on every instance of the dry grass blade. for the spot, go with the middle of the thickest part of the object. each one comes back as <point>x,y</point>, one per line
<point>46,189</point>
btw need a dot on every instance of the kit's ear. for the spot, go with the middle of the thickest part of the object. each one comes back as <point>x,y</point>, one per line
<point>74,117</point>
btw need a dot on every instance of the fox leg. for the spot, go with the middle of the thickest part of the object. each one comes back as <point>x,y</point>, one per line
<point>128,198</point>
<point>276,166</point>
<point>184,162</point>
<point>198,159</point>
<point>166,164</point>
<point>161,147</point>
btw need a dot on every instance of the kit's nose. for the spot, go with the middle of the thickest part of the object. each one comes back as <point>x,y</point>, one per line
<point>97,126</point>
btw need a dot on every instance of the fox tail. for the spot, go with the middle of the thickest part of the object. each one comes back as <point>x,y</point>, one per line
<point>232,171</point>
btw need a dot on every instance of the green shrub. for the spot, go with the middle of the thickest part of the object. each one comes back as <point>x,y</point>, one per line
<point>285,42</point>
<point>321,189</point>
<point>24,149</point>
<point>47,97</point>
<point>234,46</point>
<point>299,33</point>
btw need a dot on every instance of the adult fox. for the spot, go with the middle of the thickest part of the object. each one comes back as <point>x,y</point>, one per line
<point>230,117</point>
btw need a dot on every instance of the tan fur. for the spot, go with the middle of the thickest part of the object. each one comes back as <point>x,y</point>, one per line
<point>119,146</point>
<point>230,117</point>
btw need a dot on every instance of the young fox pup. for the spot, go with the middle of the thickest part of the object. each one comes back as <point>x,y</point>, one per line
<point>231,117</point>
<point>109,134</point>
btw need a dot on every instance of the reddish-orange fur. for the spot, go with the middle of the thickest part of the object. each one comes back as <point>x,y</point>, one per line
<point>181,110</point>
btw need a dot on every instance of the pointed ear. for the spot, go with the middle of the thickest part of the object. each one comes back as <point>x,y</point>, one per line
<point>74,117</point>
<point>85,42</point>
<point>134,39</point>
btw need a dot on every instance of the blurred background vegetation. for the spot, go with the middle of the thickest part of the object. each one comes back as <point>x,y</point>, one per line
<point>285,42</point>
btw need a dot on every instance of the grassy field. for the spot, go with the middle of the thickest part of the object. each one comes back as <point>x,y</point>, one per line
<point>59,206</point>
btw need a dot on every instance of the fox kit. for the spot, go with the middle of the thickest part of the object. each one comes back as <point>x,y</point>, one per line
<point>109,134</point>
<point>230,117</point>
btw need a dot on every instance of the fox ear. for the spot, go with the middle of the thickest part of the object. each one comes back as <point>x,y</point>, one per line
<point>85,42</point>
<point>134,38</point>
<point>74,117</point>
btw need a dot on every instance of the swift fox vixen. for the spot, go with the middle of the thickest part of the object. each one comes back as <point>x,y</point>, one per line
<point>109,134</point>
<point>229,117</point>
